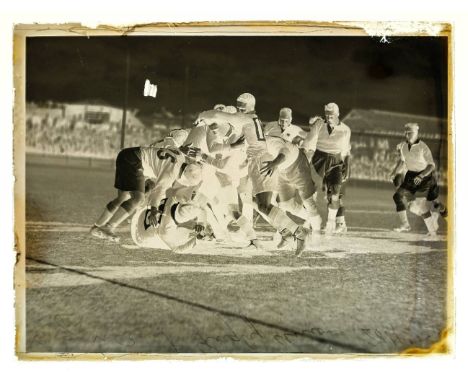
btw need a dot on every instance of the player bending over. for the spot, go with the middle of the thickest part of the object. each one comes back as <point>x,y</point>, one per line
<point>248,130</point>
<point>164,165</point>
<point>284,128</point>
<point>296,188</point>
<point>419,182</point>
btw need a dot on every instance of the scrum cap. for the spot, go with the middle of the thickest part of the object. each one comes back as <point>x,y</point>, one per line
<point>412,127</point>
<point>219,106</point>
<point>246,102</point>
<point>285,113</point>
<point>179,136</point>
<point>230,109</point>
<point>332,108</point>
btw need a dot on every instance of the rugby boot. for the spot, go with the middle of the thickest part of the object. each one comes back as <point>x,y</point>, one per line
<point>403,228</point>
<point>286,238</point>
<point>330,228</point>
<point>301,239</point>
<point>109,234</point>
<point>96,232</point>
<point>341,228</point>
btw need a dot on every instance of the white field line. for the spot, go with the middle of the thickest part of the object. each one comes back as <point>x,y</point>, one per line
<point>34,223</point>
<point>36,279</point>
<point>84,229</point>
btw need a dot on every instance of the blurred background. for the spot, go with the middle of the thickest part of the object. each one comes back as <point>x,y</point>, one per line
<point>78,88</point>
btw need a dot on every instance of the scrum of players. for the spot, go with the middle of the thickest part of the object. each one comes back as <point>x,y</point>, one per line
<point>205,183</point>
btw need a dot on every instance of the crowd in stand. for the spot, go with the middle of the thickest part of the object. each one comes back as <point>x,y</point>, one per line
<point>372,158</point>
<point>76,137</point>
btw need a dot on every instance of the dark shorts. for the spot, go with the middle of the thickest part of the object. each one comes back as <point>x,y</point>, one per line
<point>129,170</point>
<point>398,180</point>
<point>426,189</point>
<point>330,168</point>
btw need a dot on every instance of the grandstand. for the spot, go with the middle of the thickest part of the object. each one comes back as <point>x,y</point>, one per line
<point>93,131</point>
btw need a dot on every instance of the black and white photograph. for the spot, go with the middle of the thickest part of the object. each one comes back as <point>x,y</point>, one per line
<point>233,189</point>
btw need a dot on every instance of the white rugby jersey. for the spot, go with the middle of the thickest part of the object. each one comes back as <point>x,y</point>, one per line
<point>276,145</point>
<point>288,134</point>
<point>162,164</point>
<point>416,156</point>
<point>247,125</point>
<point>232,158</point>
<point>338,142</point>
<point>197,138</point>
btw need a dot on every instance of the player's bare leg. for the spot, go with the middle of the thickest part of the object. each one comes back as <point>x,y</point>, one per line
<point>121,214</point>
<point>398,198</point>
<point>341,226</point>
<point>333,206</point>
<point>306,210</point>
<point>279,220</point>
<point>109,211</point>
<point>438,209</point>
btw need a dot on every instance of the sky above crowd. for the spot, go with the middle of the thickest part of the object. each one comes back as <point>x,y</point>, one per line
<point>407,75</point>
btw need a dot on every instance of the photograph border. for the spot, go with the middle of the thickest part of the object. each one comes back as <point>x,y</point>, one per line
<point>236,28</point>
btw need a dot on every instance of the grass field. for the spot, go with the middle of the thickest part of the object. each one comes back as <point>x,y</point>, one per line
<point>369,291</point>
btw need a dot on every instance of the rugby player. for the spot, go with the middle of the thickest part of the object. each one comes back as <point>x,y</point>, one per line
<point>183,219</point>
<point>328,143</point>
<point>294,183</point>
<point>247,130</point>
<point>284,128</point>
<point>419,182</point>
<point>175,138</point>
<point>230,169</point>
<point>164,165</point>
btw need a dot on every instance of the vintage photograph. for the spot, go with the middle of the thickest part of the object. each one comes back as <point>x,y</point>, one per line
<point>216,189</point>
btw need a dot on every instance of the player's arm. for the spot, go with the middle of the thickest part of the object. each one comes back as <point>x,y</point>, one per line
<point>310,141</point>
<point>214,161</point>
<point>397,169</point>
<point>346,155</point>
<point>399,165</point>
<point>215,145</point>
<point>271,166</point>
<point>299,136</point>
<point>346,168</point>
<point>429,168</point>
<point>156,196</point>
<point>214,116</point>
<point>195,136</point>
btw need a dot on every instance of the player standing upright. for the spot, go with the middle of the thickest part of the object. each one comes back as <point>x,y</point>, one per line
<point>329,143</point>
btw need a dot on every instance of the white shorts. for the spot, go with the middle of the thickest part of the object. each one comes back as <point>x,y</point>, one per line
<point>260,182</point>
<point>297,178</point>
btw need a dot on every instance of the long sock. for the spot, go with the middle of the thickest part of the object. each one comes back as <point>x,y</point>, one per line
<point>315,222</point>
<point>281,221</point>
<point>403,217</point>
<point>247,206</point>
<point>311,206</point>
<point>340,220</point>
<point>246,227</point>
<point>340,212</point>
<point>332,214</point>
<point>119,216</point>
<point>430,224</point>
<point>107,214</point>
